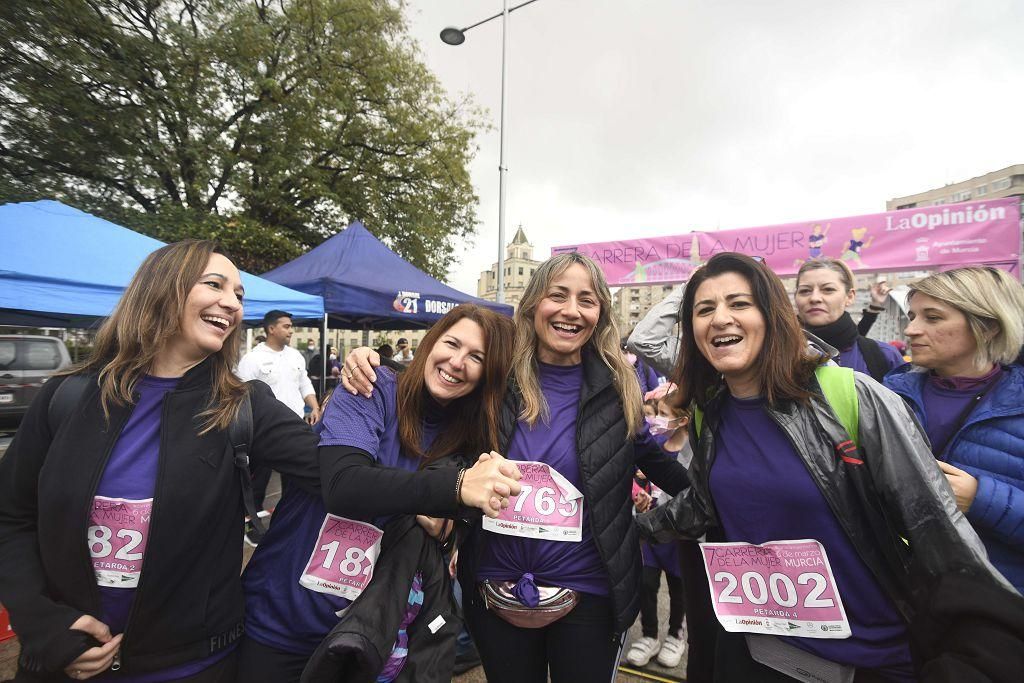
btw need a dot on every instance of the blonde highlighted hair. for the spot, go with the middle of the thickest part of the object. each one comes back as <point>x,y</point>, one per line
<point>147,318</point>
<point>604,342</point>
<point>992,302</point>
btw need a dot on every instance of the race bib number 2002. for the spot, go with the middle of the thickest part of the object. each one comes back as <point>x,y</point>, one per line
<point>549,507</point>
<point>781,588</point>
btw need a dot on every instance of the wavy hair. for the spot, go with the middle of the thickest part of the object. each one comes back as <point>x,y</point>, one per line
<point>785,363</point>
<point>147,318</point>
<point>604,343</point>
<point>474,425</point>
<point>992,302</point>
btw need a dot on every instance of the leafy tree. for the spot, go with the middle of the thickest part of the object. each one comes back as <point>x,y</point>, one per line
<point>268,124</point>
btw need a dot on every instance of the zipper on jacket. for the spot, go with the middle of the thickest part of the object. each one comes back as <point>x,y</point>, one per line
<point>164,409</point>
<point>94,484</point>
<point>593,531</point>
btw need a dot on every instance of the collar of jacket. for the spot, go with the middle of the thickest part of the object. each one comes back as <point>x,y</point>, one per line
<point>1006,398</point>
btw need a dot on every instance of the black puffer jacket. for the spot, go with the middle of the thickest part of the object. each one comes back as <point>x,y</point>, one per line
<point>189,601</point>
<point>607,459</point>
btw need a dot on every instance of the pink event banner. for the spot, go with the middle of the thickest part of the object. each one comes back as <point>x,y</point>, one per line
<point>928,238</point>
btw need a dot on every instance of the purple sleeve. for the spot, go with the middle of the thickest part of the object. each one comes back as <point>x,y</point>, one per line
<point>353,420</point>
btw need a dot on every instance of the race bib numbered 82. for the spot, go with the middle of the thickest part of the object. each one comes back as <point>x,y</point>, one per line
<point>549,507</point>
<point>343,557</point>
<point>118,530</point>
<point>781,588</point>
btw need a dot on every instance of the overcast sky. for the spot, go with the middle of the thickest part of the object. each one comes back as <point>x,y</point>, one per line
<point>638,118</point>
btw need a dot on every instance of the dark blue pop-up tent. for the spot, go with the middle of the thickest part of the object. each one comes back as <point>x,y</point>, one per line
<point>61,267</point>
<point>365,285</point>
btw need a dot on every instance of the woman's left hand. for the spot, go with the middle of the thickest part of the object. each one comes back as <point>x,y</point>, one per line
<point>880,293</point>
<point>965,487</point>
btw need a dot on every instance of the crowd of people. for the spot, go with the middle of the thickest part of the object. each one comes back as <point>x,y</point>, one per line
<point>543,469</point>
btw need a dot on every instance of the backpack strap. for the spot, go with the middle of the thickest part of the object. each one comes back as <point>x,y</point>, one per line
<point>64,400</point>
<point>240,435</point>
<point>874,359</point>
<point>837,384</point>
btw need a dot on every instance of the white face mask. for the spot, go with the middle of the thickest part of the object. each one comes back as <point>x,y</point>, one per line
<point>661,425</point>
<point>311,347</point>
<point>334,356</point>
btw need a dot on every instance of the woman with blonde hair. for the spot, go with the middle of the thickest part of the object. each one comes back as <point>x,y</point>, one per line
<point>121,509</point>
<point>825,288</point>
<point>966,328</point>
<point>556,576</point>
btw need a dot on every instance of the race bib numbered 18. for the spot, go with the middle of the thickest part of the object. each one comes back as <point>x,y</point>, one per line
<point>118,530</point>
<point>343,558</point>
<point>548,507</point>
<point>781,588</point>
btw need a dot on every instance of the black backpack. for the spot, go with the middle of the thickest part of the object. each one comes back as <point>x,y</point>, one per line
<point>70,392</point>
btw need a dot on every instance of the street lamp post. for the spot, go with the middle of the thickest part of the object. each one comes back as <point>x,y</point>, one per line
<point>456,36</point>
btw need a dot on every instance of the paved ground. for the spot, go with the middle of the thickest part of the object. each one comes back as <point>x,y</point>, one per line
<point>9,649</point>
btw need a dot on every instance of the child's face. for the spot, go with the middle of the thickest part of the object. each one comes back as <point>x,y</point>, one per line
<point>649,411</point>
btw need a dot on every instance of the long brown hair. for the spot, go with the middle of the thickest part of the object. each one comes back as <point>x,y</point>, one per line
<point>604,342</point>
<point>473,425</point>
<point>147,317</point>
<point>785,363</point>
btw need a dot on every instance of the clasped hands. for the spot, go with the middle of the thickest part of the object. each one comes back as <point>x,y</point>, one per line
<point>489,483</point>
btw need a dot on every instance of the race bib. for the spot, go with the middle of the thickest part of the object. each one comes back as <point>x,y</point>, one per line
<point>548,507</point>
<point>118,530</point>
<point>782,588</point>
<point>343,557</point>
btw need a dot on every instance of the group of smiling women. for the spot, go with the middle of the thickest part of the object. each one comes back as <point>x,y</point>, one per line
<point>506,452</point>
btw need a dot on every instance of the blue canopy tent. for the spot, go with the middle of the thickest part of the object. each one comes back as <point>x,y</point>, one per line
<point>61,267</point>
<point>365,285</point>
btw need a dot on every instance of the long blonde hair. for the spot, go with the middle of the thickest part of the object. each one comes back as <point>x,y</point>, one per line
<point>146,318</point>
<point>604,342</point>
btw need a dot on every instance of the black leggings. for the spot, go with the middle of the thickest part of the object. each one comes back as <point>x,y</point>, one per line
<point>702,624</point>
<point>259,663</point>
<point>649,587</point>
<point>580,646</point>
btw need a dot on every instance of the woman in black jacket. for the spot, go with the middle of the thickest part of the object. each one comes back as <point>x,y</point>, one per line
<point>824,289</point>
<point>120,502</point>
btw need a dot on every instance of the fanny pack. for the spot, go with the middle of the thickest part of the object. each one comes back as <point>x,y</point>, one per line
<point>554,604</point>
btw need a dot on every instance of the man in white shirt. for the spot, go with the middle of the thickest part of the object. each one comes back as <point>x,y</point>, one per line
<point>281,366</point>
<point>403,354</point>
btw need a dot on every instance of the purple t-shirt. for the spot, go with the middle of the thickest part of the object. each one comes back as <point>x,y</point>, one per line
<point>131,474</point>
<point>280,613</point>
<point>945,400</point>
<point>763,492</point>
<point>853,359</point>
<point>568,565</point>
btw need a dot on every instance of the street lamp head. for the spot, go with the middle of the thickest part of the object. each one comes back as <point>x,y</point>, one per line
<point>453,36</point>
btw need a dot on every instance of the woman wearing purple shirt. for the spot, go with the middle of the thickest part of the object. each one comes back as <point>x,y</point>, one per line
<point>121,511</point>
<point>966,326</point>
<point>824,289</point>
<point>374,454</point>
<point>573,406</point>
<point>773,465</point>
